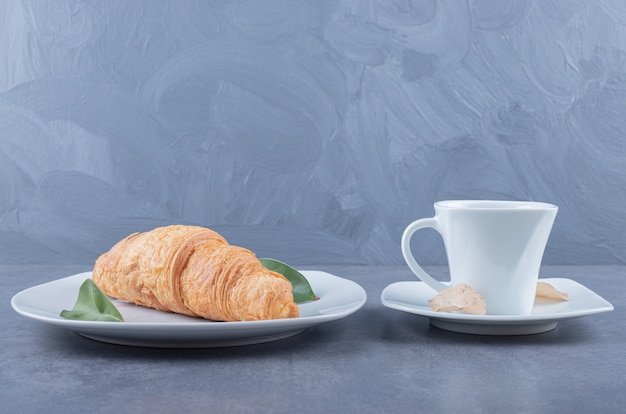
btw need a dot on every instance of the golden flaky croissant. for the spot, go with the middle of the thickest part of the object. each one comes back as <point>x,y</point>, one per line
<point>193,271</point>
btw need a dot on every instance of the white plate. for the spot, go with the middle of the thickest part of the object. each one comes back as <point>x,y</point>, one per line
<point>413,297</point>
<point>152,328</point>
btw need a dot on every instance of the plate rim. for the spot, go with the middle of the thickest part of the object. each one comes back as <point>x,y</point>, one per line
<point>256,327</point>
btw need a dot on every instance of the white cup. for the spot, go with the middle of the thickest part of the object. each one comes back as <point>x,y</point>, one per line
<point>496,247</point>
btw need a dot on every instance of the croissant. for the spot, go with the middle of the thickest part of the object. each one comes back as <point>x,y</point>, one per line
<point>193,271</point>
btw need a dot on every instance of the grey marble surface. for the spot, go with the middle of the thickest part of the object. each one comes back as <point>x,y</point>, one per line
<point>377,360</point>
<point>306,130</point>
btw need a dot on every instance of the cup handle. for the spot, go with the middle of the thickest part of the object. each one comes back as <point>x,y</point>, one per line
<point>408,256</point>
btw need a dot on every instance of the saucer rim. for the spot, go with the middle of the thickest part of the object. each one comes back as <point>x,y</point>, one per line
<point>422,309</point>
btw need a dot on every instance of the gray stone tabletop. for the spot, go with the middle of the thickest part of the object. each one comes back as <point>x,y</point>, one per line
<point>377,360</point>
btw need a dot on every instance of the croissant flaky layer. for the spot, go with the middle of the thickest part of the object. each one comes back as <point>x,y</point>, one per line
<point>193,271</point>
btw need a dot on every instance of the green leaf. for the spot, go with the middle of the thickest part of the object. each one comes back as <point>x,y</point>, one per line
<point>302,291</point>
<point>92,305</point>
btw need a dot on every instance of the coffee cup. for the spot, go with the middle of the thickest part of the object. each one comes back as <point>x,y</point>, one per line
<point>496,247</point>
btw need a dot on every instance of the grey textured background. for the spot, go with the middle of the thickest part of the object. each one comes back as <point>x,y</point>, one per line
<point>308,131</point>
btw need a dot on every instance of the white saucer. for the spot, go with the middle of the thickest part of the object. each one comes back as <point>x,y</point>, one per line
<point>412,297</point>
<point>152,328</point>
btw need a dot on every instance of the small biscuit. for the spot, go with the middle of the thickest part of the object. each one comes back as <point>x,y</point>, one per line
<point>546,290</point>
<point>459,298</point>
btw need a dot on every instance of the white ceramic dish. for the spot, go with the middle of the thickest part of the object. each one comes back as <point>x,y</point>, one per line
<point>152,328</point>
<point>412,297</point>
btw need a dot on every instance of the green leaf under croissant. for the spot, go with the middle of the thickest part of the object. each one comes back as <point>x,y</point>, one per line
<point>92,305</point>
<point>302,291</point>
